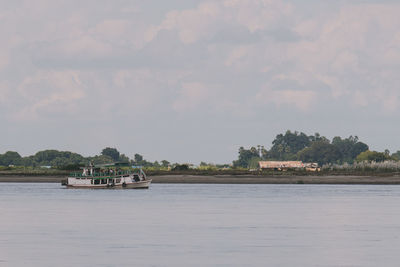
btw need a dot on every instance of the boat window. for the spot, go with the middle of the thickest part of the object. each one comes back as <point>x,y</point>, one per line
<point>117,180</point>
<point>103,181</point>
<point>96,181</point>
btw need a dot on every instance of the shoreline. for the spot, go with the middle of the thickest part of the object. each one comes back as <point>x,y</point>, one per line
<point>232,179</point>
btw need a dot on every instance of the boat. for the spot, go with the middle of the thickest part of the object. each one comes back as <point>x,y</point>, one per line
<point>108,176</point>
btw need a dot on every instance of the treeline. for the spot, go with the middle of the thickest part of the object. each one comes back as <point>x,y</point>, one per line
<point>287,146</point>
<point>68,160</point>
<point>312,148</point>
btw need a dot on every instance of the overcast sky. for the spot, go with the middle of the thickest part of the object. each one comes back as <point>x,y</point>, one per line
<point>191,81</point>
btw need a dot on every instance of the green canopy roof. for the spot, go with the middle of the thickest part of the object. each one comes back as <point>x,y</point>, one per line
<point>110,165</point>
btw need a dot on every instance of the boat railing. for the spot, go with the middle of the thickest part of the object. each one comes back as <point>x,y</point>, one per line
<point>100,174</point>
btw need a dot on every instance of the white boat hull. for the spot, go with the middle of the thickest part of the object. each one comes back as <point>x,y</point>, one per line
<point>138,185</point>
<point>124,183</point>
<point>133,185</point>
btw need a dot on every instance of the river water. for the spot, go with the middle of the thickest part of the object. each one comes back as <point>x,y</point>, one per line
<point>200,225</point>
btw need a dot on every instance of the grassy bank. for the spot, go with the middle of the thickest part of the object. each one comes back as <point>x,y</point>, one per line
<point>233,179</point>
<point>233,172</point>
<point>227,176</point>
<point>229,172</point>
<point>34,172</point>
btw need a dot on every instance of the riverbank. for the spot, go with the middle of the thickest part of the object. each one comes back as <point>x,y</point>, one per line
<point>231,179</point>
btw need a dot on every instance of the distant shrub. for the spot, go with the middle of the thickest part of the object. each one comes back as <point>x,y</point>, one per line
<point>384,166</point>
<point>181,167</point>
<point>71,167</point>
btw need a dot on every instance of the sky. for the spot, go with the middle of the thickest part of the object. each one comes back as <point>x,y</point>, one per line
<point>191,80</point>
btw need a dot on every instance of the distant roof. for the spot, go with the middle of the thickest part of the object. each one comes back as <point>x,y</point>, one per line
<point>137,167</point>
<point>280,164</point>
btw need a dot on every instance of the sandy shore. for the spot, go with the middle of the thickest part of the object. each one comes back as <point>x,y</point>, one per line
<point>229,179</point>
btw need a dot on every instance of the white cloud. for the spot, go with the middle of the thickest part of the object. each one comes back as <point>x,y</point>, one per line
<point>4,91</point>
<point>257,15</point>
<point>191,24</point>
<point>236,59</point>
<point>347,51</point>
<point>136,89</point>
<point>236,54</point>
<point>49,92</point>
<point>337,50</point>
<point>85,45</point>
<point>209,17</point>
<point>388,98</point>
<point>3,60</point>
<point>301,99</point>
<point>360,98</point>
<point>193,95</point>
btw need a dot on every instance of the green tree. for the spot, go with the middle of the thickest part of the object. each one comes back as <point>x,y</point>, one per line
<point>180,167</point>
<point>123,158</point>
<point>285,146</point>
<point>318,138</point>
<point>111,152</point>
<point>54,158</point>
<point>245,156</point>
<point>46,156</point>
<point>156,164</point>
<point>320,152</point>
<point>27,161</point>
<point>138,159</point>
<point>349,148</point>
<point>99,159</point>
<point>372,156</point>
<point>10,158</point>
<point>165,163</point>
<point>396,156</point>
<point>253,163</point>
